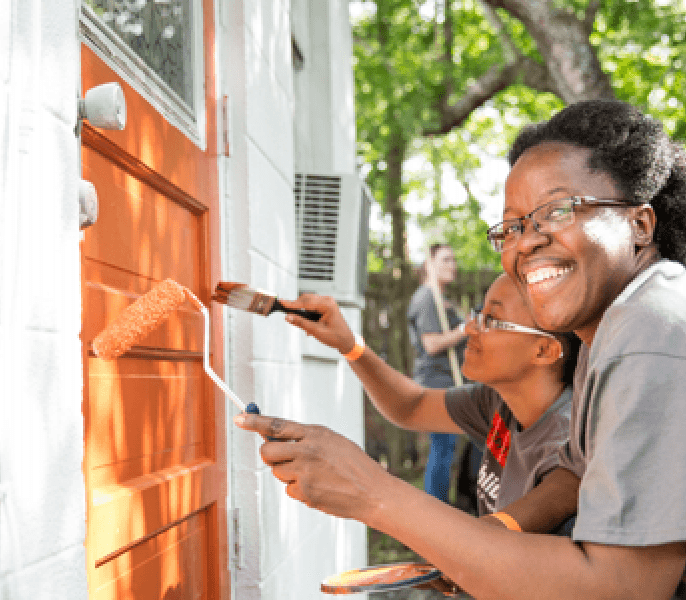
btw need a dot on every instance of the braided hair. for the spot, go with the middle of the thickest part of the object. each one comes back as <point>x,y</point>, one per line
<point>634,150</point>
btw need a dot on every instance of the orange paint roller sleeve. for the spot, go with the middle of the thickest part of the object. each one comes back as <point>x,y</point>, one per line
<point>139,319</point>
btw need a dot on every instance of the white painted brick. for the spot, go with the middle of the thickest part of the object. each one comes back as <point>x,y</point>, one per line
<point>268,21</point>
<point>247,499</point>
<point>272,214</point>
<point>7,208</point>
<point>286,525</point>
<point>269,111</point>
<point>351,544</point>
<point>273,338</point>
<point>245,458</point>
<point>27,49</point>
<point>55,578</point>
<point>48,211</point>
<point>43,450</point>
<point>275,275</point>
<point>314,348</point>
<point>306,565</point>
<point>277,390</point>
<point>270,271</point>
<point>342,90</point>
<point>41,424</point>
<point>5,45</point>
<point>322,392</point>
<point>58,70</point>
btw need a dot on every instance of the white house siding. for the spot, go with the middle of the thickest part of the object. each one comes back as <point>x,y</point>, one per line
<point>42,497</point>
<point>281,122</point>
<point>286,549</point>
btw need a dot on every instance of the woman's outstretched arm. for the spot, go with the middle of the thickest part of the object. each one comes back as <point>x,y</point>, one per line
<point>397,397</point>
<point>330,473</point>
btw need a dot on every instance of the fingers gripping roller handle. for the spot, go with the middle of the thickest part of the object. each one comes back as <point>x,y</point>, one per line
<point>252,409</point>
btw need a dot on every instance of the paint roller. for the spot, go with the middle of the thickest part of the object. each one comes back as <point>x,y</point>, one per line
<point>147,313</point>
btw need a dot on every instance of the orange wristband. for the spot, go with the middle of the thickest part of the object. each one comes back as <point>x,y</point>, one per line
<point>357,350</point>
<point>507,520</point>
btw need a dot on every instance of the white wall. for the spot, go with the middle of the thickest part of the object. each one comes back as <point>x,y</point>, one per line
<point>324,92</point>
<point>42,497</point>
<point>286,548</point>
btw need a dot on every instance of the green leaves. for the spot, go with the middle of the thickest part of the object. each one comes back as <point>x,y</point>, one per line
<point>404,81</point>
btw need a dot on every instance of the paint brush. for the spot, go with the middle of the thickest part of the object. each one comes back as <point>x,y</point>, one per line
<point>143,316</point>
<point>242,297</point>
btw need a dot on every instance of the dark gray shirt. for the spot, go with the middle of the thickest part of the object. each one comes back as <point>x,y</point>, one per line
<point>514,459</point>
<point>627,440</point>
<point>422,316</point>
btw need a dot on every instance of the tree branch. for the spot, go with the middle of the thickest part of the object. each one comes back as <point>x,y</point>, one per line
<point>589,17</point>
<point>511,52</point>
<point>448,47</point>
<point>497,78</point>
<point>538,77</point>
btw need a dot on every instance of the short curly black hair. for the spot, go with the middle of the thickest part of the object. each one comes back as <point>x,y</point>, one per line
<point>634,150</point>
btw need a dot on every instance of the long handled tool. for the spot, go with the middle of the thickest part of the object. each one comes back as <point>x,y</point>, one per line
<point>146,314</point>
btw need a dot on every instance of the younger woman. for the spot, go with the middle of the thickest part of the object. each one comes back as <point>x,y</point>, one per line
<point>519,410</point>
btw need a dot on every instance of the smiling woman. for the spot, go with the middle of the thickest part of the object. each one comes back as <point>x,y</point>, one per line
<point>612,271</point>
<point>594,239</point>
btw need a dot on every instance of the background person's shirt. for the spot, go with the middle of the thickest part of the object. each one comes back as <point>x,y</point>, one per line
<point>422,316</point>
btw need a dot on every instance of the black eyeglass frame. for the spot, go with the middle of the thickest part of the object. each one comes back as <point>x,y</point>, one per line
<point>498,243</point>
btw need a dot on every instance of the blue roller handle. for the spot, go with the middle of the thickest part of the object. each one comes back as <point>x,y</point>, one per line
<point>252,409</point>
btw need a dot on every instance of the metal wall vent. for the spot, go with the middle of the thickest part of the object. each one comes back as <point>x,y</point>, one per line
<point>332,233</point>
<point>317,209</point>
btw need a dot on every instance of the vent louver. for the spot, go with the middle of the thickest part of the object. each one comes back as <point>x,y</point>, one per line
<point>332,232</point>
<point>317,209</point>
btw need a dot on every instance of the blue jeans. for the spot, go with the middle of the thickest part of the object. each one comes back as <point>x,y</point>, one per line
<point>437,474</point>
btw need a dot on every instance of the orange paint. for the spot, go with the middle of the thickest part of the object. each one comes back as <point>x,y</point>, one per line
<point>139,319</point>
<point>357,579</point>
<point>154,459</point>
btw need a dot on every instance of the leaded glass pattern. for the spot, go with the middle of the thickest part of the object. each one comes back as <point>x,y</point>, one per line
<point>159,32</point>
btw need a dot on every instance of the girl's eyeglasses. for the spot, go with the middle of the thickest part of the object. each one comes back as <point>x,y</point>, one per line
<point>486,322</point>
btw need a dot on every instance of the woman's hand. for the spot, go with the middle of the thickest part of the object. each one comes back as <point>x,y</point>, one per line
<point>320,468</point>
<point>331,329</point>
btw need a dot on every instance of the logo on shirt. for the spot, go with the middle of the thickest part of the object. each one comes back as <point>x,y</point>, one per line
<point>490,472</point>
<point>498,439</point>
<point>487,487</point>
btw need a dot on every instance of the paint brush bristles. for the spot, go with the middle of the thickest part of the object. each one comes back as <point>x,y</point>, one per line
<point>240,296</point>
<point>147,313</point>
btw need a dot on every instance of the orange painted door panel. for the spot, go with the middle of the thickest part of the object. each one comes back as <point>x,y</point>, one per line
<point>155,463</point>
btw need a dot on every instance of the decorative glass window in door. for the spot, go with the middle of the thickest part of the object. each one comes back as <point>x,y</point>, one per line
<point>157,46</point>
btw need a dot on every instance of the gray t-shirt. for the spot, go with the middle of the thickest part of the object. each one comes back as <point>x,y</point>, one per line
<point>514,459</point>
<point>422,316</point>
<point>627,437</point>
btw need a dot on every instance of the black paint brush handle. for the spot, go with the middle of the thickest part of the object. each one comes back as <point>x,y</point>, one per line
<point>310,315</point>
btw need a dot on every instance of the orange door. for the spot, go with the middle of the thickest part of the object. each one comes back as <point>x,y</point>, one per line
<point>155,463</point>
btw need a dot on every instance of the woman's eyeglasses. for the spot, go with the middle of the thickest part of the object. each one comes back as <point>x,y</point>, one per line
<point>548,218</point>
<point>486,322</point>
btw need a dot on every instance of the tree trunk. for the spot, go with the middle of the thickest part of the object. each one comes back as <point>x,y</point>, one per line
<point>400,352</point>
<point>563,41</point>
